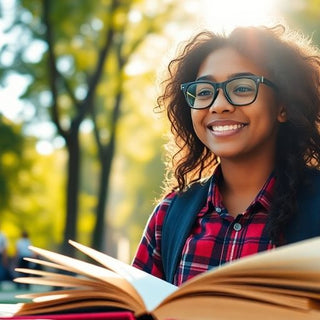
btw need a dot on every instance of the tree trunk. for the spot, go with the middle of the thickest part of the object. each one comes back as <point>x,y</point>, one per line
<point>73,169</point>
<point>106,158</point>
<point>101,226</point>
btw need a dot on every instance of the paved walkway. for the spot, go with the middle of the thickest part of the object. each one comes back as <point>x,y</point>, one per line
<point>9,291</point>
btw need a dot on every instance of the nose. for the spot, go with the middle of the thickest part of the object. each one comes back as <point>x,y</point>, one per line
<point>220,104</point>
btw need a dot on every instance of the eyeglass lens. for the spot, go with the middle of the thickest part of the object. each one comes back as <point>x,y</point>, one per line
<point>240,91</point>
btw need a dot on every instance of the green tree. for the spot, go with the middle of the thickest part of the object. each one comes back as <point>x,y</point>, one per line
<point>128,36</point>
<point>11,149</point>
<point>79,75</point>
<point>29,197</point>
<point>303,15</point>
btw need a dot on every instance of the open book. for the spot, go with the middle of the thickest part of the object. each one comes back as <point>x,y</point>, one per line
<point>282,283</point>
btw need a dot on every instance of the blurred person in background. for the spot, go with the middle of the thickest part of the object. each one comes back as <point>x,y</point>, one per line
<point>5,272</point>
<point>3,256</point>
<point>23,251</point>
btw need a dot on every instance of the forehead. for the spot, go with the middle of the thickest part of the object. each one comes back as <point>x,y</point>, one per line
<point>225,62</point>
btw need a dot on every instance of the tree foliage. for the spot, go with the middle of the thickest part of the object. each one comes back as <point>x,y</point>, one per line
<point>11,148</point>
<point>303,15</point>
<point>79,77</point>
<point>29,200</point>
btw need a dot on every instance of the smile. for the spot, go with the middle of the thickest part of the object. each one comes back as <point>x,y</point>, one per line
<point>224,128</point>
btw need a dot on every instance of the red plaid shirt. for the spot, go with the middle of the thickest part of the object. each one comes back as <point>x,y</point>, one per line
<point>215,238</point>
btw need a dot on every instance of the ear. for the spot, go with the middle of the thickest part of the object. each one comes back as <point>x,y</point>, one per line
<point>282,114</point>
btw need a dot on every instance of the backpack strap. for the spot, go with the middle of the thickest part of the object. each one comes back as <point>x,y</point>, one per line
<point>178,222</point>
<point>184,209</point>
<point>305,223</point>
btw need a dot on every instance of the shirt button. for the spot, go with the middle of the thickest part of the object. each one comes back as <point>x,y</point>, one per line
<point>218,210</point>
<point>237,226</point>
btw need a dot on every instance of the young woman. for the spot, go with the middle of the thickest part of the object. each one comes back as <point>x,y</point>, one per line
<point>244,112</point>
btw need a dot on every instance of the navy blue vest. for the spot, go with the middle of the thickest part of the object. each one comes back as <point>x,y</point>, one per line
<point>184,208</point>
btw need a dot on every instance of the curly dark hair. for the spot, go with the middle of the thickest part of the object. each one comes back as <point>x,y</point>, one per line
<point>293,64</point>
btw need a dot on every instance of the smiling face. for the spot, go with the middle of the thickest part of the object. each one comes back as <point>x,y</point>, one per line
<point>237,132</point>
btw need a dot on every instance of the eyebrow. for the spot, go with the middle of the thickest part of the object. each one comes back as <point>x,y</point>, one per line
<point>233,75</point>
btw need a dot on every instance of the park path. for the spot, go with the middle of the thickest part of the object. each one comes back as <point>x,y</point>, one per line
<point>8,291</point>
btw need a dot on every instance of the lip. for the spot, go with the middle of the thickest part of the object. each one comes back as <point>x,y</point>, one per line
<point>225,127</point>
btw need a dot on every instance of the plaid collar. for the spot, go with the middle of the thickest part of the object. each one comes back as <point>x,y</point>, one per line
<point>262,200</point>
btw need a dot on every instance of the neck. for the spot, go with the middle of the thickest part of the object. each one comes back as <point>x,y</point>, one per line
<point>242,180</point>
<point>248,172</point>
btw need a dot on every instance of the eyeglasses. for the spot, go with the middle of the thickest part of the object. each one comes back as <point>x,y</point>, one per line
<point>239,91</point>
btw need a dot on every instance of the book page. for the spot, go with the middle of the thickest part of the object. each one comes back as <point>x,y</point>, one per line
<point>63,300</point>
<point>102,275</point>
<point>143,282</point>
<point>229,308</point>
<point>296,256</point>
<point>302,256</point>
<point>88,288</point>
<point>295,266</point>
<point>250,292</point>
<point>71,306</point>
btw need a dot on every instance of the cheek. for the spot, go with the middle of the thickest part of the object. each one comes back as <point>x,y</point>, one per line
<point>266,121</point>
<point>197,116</point>
<point>199,125</point>
<point>268,109</point>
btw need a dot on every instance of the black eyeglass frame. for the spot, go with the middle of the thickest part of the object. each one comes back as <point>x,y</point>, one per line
<point>217,85</point>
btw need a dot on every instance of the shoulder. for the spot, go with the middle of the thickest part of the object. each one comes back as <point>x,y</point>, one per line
<point>195,190</point>
<point>190,200</point>
<point>308,192</point>
<point>199,185</point>
<point>311,180</point>
<point>312,173</point>
<point>167,199</point>
<point>159,212</point>
<point>305,222</point>
<point>163,205</point>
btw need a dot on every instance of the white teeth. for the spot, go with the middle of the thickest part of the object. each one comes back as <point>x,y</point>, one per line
<point>227,127</point>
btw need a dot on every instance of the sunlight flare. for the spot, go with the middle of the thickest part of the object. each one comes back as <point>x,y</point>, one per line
<point>226,14</point>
